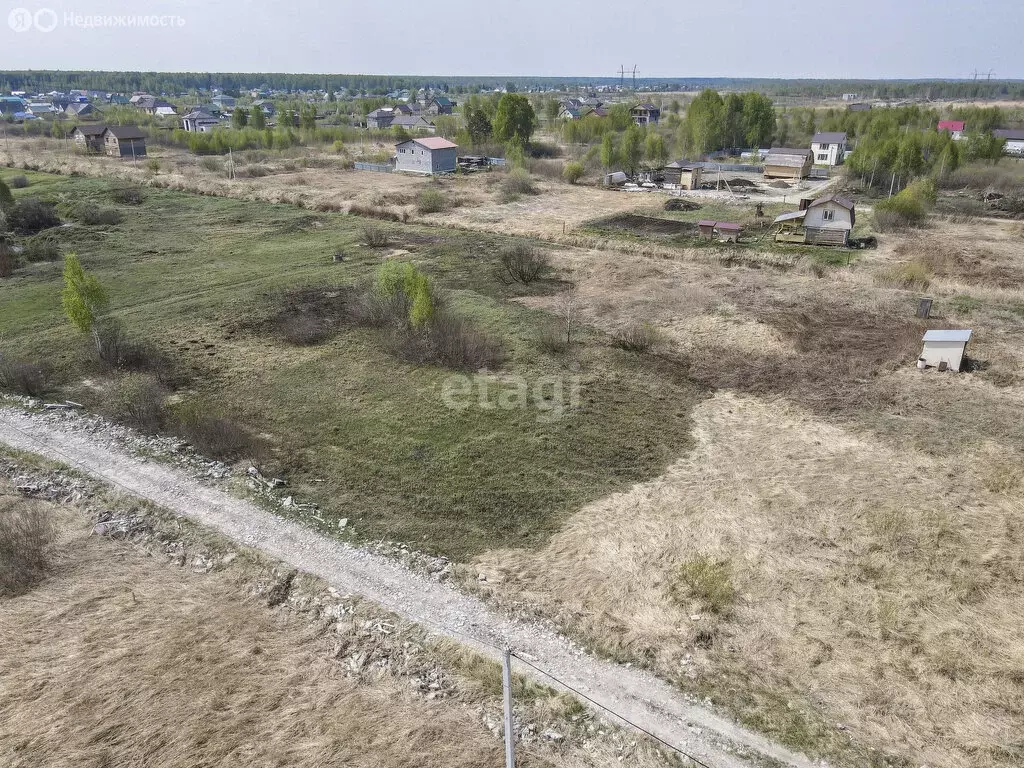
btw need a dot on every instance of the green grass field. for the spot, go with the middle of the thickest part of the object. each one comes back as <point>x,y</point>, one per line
<point>352,428</point>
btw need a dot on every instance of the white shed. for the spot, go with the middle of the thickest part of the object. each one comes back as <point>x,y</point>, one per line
<point>947,347</point>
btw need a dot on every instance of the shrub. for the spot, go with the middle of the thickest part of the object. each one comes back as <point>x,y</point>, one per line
<point>910,276</point>
<point>42,247</point>
<point>93,215</point>
<point>153,165</point>
<point>139,400</point>
<point>127,194</point>
<point>520,263</point>
<point>907,209</point>
<point>26,537</point>
<point>6,198</point>
<point>708,581</point>
<point>212,163</point>
<point>25,378</point>
<point>373,212</point>
<point>120,352</point>
<point>517,182</point>
<point>637,337</point>
<point>450,342</point>
<point>19,182</point>
<point>217,437</point>
<point>402,283</point>
<point>32,215</point>
<point>376,237</point>
<point>255,171</point>
<point>8,261</point>
<point>430,201</point>
<point>573,172</point>
<point>551,339</point>
<point>305,330</point>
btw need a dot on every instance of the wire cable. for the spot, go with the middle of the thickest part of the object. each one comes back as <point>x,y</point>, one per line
<point>626,720</point>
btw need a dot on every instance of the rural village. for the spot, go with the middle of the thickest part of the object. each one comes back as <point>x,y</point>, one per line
<point>420,421</point>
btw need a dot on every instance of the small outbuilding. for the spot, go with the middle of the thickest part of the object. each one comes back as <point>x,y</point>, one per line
<point>682,175</point>
<point>945,349</point>
<point>88,138</point>
<point>124,141</point>
<point>786,163</point>
<point>724,230</point>
<point>428,155</point>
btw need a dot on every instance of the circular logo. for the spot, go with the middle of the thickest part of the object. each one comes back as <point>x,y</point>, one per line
<point>45,19</point>
<point>20,19</point>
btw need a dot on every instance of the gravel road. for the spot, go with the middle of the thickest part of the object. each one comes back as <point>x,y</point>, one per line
<point>632,693</point>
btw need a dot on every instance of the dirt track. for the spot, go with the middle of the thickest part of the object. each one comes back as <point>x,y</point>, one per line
<point>632,693</point>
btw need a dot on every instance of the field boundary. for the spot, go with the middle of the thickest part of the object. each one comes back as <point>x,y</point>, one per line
<point>635,695</point>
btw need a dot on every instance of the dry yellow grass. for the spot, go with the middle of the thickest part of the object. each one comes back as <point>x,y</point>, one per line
<point>123,659</point>
<point>878,588</point>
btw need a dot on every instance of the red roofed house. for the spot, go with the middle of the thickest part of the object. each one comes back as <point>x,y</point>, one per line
<point>954,127</point>
<point>429,155</point>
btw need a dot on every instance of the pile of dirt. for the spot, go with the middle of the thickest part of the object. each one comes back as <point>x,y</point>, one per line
<point>679,204</point>
<point>780,184</point>
<point>738,182</point>
<point>645,225</point>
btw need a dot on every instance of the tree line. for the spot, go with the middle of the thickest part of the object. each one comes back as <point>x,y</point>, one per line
<point>237,82</point>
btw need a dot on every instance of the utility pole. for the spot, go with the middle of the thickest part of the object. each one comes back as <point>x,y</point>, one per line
<point>634,78</point>
<point>506,684</point>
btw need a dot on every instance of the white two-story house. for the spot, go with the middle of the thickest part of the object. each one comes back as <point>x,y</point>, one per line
<point>828,148</point>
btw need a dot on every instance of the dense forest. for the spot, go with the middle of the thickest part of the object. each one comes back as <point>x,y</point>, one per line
<point>230,82</point>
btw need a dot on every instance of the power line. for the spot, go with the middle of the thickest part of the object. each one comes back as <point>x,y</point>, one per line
<point>626,720</point>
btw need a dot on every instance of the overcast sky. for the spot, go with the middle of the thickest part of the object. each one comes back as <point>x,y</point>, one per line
<point>663,38</point>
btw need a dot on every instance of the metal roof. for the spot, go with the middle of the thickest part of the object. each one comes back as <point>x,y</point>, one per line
<point>956,336</point>
<point>951,125</point>
<point>829,138</point>
<point>790,216</point>
<point>125,132</point>
<point>436,142</point>
<point>1012,134</point>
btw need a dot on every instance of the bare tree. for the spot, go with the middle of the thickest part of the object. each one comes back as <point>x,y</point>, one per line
<point>568,310</point>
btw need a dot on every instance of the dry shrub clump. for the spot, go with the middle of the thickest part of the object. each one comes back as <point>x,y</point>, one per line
<point>521,263</point>
<point>431,201</point>
<point>552,339</point>
<point>91,214</point>
<point>140,401</point>
<point>374,212</point>
<point>26,539</point>
<point>518,182</point>
<point>20,181</point>
<point>706,580</point>
<point>127,194</point>
<point>376,237</point>
<point>32,215</point>
<point>120,352</point>
<point>448,341</point>
<point>637,337</point>
<point>22,377</point>
<point>8,260</point>
<point>217,436</point>
<point>911,276</point>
